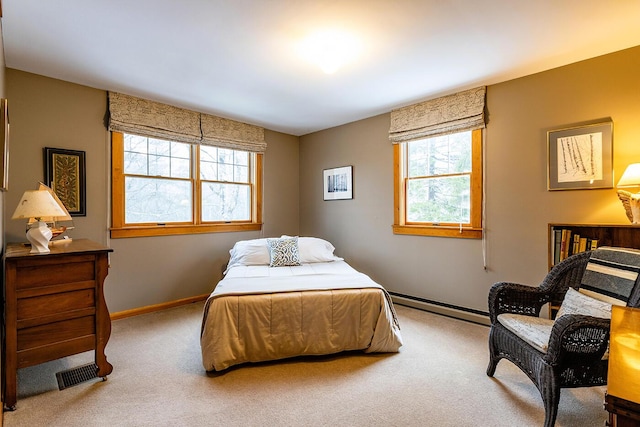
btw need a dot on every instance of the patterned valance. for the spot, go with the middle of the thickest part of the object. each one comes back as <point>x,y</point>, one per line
<point>231,134</point>
<point>441,116</point>
<point>154,119</point>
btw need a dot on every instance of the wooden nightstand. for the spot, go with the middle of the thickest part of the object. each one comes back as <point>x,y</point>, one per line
<point>53,307</point>
<point>622,413</point>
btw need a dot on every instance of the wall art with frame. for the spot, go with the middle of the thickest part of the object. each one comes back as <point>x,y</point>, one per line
<point>65,173</point>
<point>580,157</point>
<point>338,183</point>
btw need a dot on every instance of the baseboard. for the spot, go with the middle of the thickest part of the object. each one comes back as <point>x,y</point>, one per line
<point>439,308</point>
<point>157,307</point>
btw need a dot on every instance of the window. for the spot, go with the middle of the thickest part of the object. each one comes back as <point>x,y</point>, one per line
<point>438,186</point>
<point>162,187</point>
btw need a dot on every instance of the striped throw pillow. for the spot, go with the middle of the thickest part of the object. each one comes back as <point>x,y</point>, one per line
<point>611,274</point>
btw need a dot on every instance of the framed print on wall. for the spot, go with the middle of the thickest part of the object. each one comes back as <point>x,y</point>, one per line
<point>64,172</point>
<point>580,157</point>
<point>338,183</point>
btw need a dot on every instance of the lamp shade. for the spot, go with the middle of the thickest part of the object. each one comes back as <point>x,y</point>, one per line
<point>631,176</point>
<point>38,204</point>
<point>624,354</point>
<point>66,217</point>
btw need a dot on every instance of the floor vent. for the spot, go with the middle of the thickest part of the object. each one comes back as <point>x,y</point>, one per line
<point>75,376</point>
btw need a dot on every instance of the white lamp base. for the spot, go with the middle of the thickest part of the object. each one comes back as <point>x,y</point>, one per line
<point>39,235</point>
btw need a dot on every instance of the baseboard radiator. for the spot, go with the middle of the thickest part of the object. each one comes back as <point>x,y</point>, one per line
<point>475,316</point>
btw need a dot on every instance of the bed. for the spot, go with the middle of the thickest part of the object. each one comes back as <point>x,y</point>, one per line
<point>291,296</point>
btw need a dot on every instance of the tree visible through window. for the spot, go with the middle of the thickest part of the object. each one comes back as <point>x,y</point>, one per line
<point>439,185</point>
<point>178,188</point>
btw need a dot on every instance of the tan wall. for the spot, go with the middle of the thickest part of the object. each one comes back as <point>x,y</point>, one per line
<point>3,93</point>
<point>518,205</point>
<point>144,271</point>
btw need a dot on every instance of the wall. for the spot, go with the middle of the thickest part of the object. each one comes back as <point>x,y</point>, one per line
<point>3,92</point>
<point>144,271</point>
<point>518,205</point>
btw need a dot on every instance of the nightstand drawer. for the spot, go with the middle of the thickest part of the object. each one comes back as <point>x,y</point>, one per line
<point>29,308</point>
<point>42,335</point>
<point>33,273</point>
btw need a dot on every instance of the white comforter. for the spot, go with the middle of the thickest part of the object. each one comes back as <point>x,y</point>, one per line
<point>258,313</point>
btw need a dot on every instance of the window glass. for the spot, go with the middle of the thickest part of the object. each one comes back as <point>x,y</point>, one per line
<point>157,200</point>
<point>438,186</point>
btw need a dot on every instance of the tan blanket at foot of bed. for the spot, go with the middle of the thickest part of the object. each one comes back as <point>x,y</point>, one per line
<point>243,327</point>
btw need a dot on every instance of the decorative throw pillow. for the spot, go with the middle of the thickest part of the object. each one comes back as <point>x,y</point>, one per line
<point>577,303</point>
<point>611,274</point>
<point>284,252</point>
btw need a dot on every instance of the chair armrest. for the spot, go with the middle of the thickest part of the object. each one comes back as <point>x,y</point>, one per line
<point>579,337</point>
<point>507,297</point>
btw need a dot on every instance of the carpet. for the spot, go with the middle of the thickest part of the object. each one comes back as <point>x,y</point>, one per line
<point>437,379</point>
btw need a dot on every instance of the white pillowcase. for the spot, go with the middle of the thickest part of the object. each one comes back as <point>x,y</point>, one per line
<point>313,249</point>
<point>578,303</point>
<point>256,252</point>
<point>249,252</point>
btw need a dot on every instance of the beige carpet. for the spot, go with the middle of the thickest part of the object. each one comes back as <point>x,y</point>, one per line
<point>437,379</point>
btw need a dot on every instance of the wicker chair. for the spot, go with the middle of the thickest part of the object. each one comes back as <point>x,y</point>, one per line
<point>577,344</point>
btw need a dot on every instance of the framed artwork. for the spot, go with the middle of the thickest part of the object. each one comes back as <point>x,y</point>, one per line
<point>338,183</point>
<point>65,173</point>
<point>4,144</point>
<point>580,157</point>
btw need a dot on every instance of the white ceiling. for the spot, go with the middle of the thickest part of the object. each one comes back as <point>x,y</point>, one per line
<point>237,58</point>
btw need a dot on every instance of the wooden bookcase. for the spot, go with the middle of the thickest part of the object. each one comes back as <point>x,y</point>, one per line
<point>620,235</point>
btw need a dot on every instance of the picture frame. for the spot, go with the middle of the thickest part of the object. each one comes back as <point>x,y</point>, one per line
<point>4,144</point>
<point>338,183</point>
<point>65,173</point>
<point>580,157</point>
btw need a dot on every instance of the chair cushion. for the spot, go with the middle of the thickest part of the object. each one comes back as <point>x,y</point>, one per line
<point>611,274</point>
<point>536,331</point>
<point>533,330</point>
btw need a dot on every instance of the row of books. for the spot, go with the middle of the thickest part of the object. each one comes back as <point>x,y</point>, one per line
<point>566,243</point>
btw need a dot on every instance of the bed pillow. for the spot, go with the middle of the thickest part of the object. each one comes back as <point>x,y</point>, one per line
<point>578,303</point>
<point>314,249</point>
<point>249,252</point>
<point>283,252</point>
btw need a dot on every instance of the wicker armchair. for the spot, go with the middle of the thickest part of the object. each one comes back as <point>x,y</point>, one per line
<point>575,356</point>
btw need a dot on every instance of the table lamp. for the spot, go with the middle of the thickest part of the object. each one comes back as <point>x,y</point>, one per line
<point>41,205</point>
<point>630,201</point>
<point>624,354</point>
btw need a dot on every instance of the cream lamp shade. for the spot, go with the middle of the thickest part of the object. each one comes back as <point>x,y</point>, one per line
<point>630,201</point>
<point>40,205</point>
<point>624,354</point>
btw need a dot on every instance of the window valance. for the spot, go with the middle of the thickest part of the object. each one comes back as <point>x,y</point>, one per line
<point>441,116</point>
<point>154,119</point>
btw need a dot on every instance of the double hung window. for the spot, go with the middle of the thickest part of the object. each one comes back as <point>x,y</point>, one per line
<point>438,185</point>
<point>164,187</point>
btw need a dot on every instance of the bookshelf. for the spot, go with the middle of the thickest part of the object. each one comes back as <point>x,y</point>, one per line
<point>590,237</point>
<point>596,235</point>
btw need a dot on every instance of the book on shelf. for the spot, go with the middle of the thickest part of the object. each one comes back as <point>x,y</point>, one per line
<point>566,242</point>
